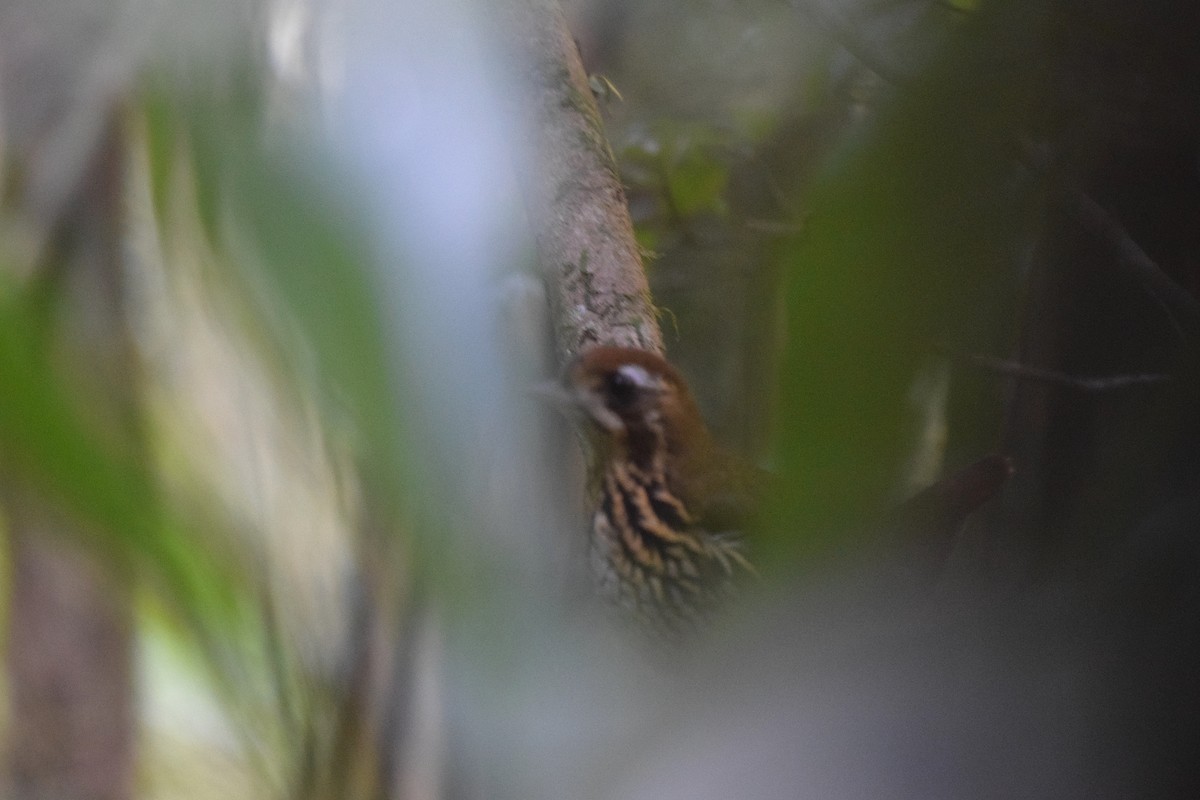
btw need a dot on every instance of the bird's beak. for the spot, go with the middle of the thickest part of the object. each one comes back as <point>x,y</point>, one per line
<point>577,404</point>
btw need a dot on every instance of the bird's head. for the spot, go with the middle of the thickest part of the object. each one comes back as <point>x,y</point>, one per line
<point>628,397</point>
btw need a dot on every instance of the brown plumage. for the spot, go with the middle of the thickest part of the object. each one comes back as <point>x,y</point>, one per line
<point>668,505</point>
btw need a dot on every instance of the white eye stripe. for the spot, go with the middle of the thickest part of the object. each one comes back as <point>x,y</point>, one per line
<point>639,376</point>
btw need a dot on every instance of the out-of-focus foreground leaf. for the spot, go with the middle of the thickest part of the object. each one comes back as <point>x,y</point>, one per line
<point>47,444</point>
<point>302,260</point>
<point>909,242</point>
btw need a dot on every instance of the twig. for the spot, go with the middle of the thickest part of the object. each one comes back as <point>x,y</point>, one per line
<point>1177,303</point>
<point>1040,374</point>
<point>850,42</point>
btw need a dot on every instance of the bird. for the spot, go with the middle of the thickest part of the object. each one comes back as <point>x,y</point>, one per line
<point>668,507</point>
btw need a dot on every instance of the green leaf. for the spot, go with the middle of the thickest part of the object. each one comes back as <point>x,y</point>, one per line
<point>697,182</point>
<point>908,242</point>
<point>51,449</point>
<point>292,242</point>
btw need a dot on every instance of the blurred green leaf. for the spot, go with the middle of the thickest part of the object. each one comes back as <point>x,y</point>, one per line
<point>294,245</point>
<point>911,232</point>
<point>686,163</point>
<point>648,240</point>
<point>964,5</point>
<point>696,182</point>
<point>48,446</point>
<point>162,136</point>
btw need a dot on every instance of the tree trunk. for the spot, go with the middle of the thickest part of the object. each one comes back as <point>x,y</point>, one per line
<point>70,627</point>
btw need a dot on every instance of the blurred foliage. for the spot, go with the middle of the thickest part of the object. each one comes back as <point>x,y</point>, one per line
<point>284,253</point>
<point>836,199</point>
<point>47,444</point>
<point>886,189</point>
<point>909,247</point>
<point>292,242</point>
<point>289,260</point>
<point>683,164</point>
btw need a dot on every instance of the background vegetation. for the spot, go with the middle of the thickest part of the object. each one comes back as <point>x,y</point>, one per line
<point>284,522</point>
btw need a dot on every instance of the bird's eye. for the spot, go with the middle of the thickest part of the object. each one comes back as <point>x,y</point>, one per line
<point>622,389</point>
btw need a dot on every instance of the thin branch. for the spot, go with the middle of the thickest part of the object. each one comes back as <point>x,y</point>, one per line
<point>849,41</point>
<point>1176,302</point>
<point>1181,308</point>
<point>589,258</point>
<point>1039,374</point>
